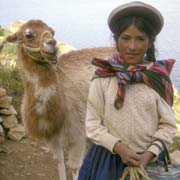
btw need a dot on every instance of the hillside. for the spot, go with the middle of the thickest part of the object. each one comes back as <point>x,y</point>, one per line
<point>29,159</point>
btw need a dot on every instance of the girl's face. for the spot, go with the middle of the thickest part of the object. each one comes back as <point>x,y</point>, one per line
<point>132,45</point>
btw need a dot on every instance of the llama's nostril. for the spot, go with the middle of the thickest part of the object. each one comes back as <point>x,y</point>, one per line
<point>51,41</point>
<point>49,48</point>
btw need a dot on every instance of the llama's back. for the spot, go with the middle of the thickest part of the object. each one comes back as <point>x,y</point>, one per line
<point>78,68</point>
<point>75,79</point>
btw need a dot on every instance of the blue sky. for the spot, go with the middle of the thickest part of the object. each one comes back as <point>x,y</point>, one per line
<point>83,23</point>
<point>77,20</point>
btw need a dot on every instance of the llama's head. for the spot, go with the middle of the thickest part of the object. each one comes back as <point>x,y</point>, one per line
<point>35,39</point>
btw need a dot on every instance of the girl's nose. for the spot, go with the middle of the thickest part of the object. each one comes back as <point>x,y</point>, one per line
<point>132,45</point>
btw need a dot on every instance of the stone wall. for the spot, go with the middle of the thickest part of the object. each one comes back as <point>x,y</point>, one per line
<point>9,126</point>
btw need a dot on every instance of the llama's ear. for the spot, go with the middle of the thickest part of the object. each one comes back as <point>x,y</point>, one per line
<point>52,31</point>
<point>12,38</point>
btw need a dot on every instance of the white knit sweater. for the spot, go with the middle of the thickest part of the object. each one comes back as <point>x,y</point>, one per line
<point>144,117</point>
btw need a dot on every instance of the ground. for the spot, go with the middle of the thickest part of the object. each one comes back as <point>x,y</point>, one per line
<point>26,160</point>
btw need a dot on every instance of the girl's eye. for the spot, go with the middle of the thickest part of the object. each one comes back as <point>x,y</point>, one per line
<point>141,39</point>
<point>125,38</point>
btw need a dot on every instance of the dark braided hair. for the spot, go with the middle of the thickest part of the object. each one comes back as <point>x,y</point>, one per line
<point>143,25</point>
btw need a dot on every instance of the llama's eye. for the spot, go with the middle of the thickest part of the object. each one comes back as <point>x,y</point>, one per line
<point>29,34</point>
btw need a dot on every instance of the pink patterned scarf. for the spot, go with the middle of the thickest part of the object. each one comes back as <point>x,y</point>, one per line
<point>156,77</point>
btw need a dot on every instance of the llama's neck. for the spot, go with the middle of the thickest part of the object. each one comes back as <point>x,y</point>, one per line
<point>42,105</point>
<point>38,79</point>
<point>34,72</point>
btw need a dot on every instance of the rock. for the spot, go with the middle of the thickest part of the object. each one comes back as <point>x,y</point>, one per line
<point>9,126</point>
<point>2,92</point>
<point>3,149</point>
<point>1,131</point>
<point>5,101</point>
<point>41,174</point>
<point>1,120</point>
<point>9,111</point>
<point>17,133</point>
<point>2,136</point>
<point>9,121</point>
<point>2,139</point>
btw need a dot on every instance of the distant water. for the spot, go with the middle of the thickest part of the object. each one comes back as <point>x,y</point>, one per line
<point>83,24</point>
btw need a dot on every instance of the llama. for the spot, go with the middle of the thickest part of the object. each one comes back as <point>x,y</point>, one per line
<point>53,109</point>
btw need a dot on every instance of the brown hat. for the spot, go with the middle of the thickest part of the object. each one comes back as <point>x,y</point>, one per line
<point>136,8</point>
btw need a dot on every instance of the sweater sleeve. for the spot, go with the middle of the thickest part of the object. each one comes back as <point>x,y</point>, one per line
<point>167,127</point>
<point>95,130</point>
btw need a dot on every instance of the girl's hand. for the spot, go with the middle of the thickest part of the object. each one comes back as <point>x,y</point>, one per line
<point>146,157</point>
<point>128,156</point>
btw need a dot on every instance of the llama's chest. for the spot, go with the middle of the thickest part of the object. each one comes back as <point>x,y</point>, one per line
<point>41,98</point>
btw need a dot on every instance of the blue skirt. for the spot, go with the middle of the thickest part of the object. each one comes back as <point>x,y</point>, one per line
<point>101,164</point>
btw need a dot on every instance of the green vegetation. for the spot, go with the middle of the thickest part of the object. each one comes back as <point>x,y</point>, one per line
<point>4,32</point>
<point>9,73</point>
<point>10,80</point>
<point>9,49</point>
